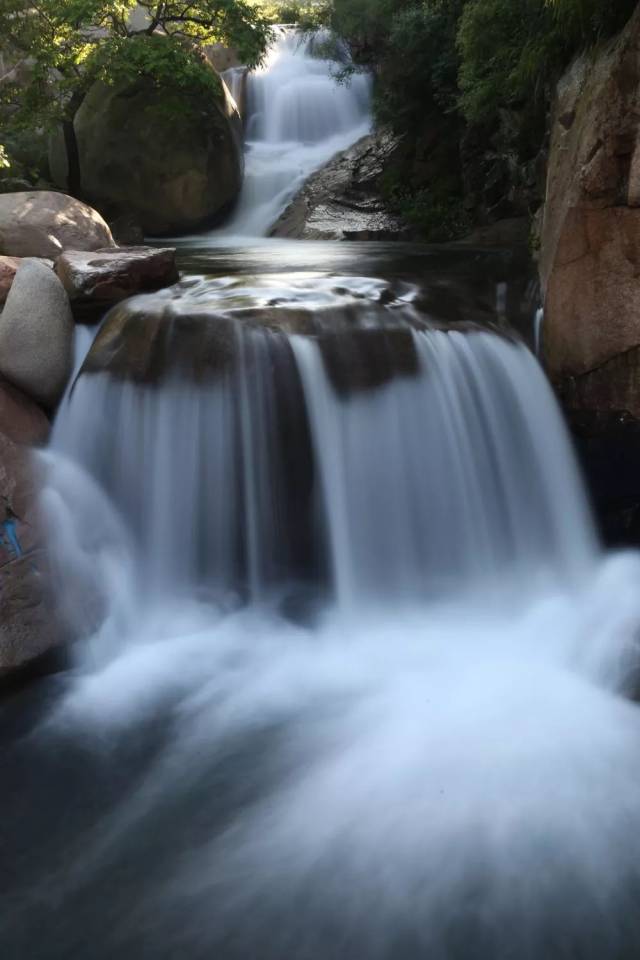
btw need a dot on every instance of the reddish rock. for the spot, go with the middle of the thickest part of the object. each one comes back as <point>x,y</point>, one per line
<point>8,267</point>
<point>590,242</point>
<point>28,623</point>
<point>20,419</point>
<point>106,276</point>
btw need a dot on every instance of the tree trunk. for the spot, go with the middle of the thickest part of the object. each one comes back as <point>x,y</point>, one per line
<point>74,171</point>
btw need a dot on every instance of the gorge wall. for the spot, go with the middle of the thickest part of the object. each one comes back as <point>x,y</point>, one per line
<point>590,265</point>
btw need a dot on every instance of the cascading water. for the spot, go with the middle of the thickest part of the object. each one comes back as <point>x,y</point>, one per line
<point>354,678</point>
<point>298,117</point>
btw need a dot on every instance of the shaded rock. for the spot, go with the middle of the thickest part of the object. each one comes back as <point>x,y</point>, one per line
<point>8,267</point>
<point>21,420</point>
<point>590,240</point>
<point>514,231</point>
<point>222,57</point>
<point>342,201</point>
<point>28,623</point>
<point>126,231</point>
<point>106,276</point>
<point>43,224</point>
<point>593,294</point>
<point>36,330</point>
<point>171,169</point>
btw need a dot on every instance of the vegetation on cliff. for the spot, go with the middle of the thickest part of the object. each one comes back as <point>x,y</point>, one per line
<point>468,84</point>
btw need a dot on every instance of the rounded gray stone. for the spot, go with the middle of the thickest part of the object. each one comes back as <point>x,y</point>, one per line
<point>36,334</point>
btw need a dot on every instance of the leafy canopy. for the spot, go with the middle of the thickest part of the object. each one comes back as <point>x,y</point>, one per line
<point>68,44</point>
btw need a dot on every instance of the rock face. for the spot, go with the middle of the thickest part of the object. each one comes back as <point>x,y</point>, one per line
<point>44,224</point>
<point>36,329</point>
<point>170,172</point>
<point>28,625</point>
<point>106,276</point>
<point>590,253</point>
<point>342,200</point>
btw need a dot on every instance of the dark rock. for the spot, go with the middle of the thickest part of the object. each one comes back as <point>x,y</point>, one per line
<point>126,231</point>
<point>342,201</point>
<point>28,623</point>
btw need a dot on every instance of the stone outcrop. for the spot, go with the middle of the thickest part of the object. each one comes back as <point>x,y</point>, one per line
<point>171,170</point>
<point>590,244</point>
<point>44,224</point>
<point>28,624</point>
<point>106,276</point>
<point>342,200</point>
<point>36,330</point>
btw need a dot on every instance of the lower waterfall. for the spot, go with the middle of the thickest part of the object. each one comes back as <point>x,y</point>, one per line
<point>355,673</point>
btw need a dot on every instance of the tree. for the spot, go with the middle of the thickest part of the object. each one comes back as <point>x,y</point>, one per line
<point>69,44</point>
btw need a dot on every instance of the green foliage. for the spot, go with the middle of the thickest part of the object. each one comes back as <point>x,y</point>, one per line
<point>308,14</point>
<point>4,159</point>
<point>437,213</point>
<point>420,63</point>
<point>68,44</point>
<point>511,51</point>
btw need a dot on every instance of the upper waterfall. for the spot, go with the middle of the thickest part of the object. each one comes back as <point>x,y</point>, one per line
<point>298,117</point>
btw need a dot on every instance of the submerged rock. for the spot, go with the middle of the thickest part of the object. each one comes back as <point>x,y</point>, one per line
<point>342,200</point>
<point>42,223</point>
<point>36,331</point>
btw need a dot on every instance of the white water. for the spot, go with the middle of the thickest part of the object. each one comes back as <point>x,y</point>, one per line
<point>450,766</point>
<point>298,117</point>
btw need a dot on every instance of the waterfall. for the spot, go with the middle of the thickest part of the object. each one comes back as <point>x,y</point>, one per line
<point>353,677</point>
<point>298,117</point>
<point>431,757</point>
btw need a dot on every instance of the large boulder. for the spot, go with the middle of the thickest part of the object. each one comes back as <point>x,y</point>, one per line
<point>590,244</point>
<point>28,623</point>
<point>43,223</point>
<point>171,170</point>
<point>342,200</point>
<point>36,332</point>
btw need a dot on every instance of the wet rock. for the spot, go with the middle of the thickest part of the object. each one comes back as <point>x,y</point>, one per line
<point>45,224</point>
<point>197,331</point>
<point>342,200</point>
<point>590,240</point>
<point>36,330</point>
<point>170,169</point>
<point>106,276</point>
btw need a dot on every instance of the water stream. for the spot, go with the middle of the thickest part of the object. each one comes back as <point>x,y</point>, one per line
<point>355,677</point>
